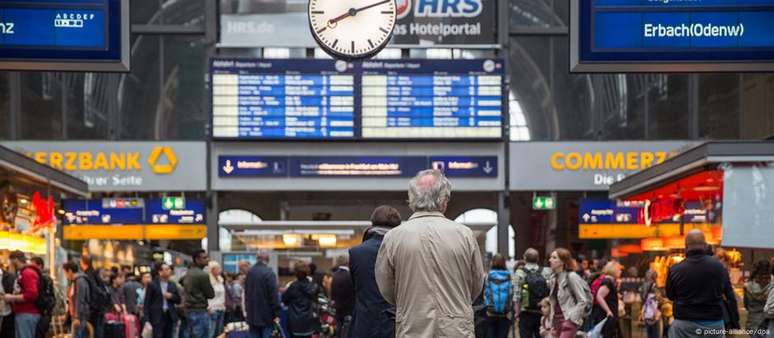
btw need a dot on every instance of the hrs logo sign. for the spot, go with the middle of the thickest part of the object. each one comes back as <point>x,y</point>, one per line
<point>440,8</point>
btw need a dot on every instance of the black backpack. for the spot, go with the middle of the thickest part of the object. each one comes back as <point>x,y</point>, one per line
<point>46,295</point>
<point>538,289</point>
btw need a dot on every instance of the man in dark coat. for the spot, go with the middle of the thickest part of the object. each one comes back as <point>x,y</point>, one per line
<point>373,316</point>
<point>160,300</point>
<point>261,299</point>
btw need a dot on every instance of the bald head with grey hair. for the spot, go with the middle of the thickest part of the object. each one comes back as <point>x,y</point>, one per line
<point>429,190</point>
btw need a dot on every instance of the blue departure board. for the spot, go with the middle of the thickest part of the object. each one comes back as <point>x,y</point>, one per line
<point>283,99</point>
<point>326,99</point>
<point>71,35</point>
<point>671,35</point>
<point>441,99</point>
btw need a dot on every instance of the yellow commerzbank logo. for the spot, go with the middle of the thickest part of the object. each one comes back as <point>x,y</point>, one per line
<point>161,160</point>
<point>632,160</point>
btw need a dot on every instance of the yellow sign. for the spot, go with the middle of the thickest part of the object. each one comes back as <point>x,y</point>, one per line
<point>637,231</point>
<point>135,232</point>
<point>108,161</point>
<point>619,160</point>
<point>162,169</point>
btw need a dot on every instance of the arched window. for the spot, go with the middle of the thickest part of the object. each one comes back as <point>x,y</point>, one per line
<point>488,216</point>
<point>232,216</point>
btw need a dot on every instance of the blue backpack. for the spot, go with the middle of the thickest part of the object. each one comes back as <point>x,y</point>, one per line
<point>498,294</point>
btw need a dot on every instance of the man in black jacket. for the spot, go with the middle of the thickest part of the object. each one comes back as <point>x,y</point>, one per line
<point>343,296</point>
<point>696,287</point>
<point>373,317</point>
<point>161,297</point>
<point>261,299</point>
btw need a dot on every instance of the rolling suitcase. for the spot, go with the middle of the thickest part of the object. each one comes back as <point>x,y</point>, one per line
<point>130,324</point>
<point>115,329</point>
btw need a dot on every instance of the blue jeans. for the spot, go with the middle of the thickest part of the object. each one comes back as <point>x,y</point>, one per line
<point>261,332</point>
<point>26,325</point>
<point>98,324</point>
<point>216,323</point>
<point>81,331</point>
<point>198,324</point>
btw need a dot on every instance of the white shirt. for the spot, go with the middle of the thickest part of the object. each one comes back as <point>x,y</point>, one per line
<point>219,302</point>
<point>164,285</point>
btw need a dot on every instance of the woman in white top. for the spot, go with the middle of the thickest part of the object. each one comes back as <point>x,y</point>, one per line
<point>217,305</point>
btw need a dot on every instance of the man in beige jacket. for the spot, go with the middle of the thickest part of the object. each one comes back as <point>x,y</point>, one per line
<point>430,268</point>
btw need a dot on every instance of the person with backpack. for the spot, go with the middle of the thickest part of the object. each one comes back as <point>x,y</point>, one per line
<point>651,313</point>
<point>47,299</point>
<point>570,296</point>
<point>530,286</point>
<point>498,298</point>
<point>78,300</point>
<point>606,301</point>
<point>25,296</point>
<point>100,302</point>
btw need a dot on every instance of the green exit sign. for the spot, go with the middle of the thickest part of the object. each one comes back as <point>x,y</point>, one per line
<point>172,203</point>
<point>543,203</point>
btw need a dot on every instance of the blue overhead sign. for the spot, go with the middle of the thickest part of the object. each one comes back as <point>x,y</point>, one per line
<point>672,36</point>
<point>355,166</point>
<point>608,212</point>
<point>131,211</point>
<point>256,166</point>
<point>77,35</point>
<point>192,212</point>
<point>465,166</point>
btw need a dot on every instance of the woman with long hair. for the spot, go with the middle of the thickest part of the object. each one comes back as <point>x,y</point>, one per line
<point>570,296</point>
<point>217,305</point>
<point>606,302</point>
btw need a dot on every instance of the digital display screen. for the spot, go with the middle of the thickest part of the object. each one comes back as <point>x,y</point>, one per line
<point>432,99</point>
<point>721,32</point>
<point>283,99</point>
<point>326,99</point>
<point>77,35</point>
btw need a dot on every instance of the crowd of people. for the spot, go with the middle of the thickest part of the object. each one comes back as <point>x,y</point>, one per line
<point>423,277</point>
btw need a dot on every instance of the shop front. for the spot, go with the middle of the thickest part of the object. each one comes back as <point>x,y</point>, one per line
<point>147,197</point>
<point>722,188</point>
<point>554,184</point>
<point>30,197</point>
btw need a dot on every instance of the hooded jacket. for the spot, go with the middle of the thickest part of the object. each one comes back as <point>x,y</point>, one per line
<point>372,316</point>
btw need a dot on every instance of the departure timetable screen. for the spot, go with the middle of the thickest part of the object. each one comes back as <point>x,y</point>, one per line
<point>409,99</point>
<point>380,99</point>
<point>283,99</point>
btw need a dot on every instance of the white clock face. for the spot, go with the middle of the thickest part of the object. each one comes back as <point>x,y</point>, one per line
<point>352,29</point>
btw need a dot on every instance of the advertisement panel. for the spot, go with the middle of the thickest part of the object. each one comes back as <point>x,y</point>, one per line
<point>583,166</point>
<point>284,23</point>
<point>124,166</point>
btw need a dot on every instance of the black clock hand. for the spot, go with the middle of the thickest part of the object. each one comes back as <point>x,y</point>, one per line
<point>372,5</point>
<point>353,12</point>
